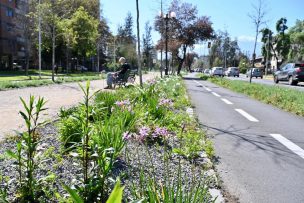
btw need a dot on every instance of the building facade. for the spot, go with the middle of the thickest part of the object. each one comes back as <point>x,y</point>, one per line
<point>12,42</point>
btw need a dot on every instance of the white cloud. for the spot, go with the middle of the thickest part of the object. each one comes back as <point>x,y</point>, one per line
<point>245,38</point>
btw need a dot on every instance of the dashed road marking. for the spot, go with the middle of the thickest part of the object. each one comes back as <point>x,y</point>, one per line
<point>290,145</point>
<point>247,115</point>
<point>215,94</point>
<point>206,88</point>
<point>227,101</point>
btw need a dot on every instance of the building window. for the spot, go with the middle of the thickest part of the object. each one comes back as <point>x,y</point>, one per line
<point>9,12</point>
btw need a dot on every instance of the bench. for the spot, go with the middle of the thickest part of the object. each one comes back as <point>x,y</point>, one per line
<point>122,80</point>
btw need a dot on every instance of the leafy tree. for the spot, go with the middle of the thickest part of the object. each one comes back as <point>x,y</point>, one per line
<point>85,33</point>
<point>267,44</point>
<point>225,49</point>
<point>218,62</point>
<point>187,29</point>
<point>53,13</point>
<point>126,40</point>
<point>190,60</point>
<point>244,65</point>
<point>296,34</point>
<point>147,44</point>
<point>282,39</point>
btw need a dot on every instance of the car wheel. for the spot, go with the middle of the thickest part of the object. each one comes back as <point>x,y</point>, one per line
<point>291,81</point>
<point>238,76</point>
<point>261,77</point>
<point>256,77</point>
<point>276,80</point>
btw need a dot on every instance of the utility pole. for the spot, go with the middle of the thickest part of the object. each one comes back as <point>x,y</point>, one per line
<point>39,37</point>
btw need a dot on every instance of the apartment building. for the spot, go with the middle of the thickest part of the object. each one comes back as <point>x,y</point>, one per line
<point>12,42</point>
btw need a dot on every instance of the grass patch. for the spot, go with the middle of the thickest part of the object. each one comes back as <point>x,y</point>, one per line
<point>287,99</point>
<point>35,82</point>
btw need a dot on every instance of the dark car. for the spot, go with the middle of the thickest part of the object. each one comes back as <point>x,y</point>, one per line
<point>291,72</point>
<point>256,73</point>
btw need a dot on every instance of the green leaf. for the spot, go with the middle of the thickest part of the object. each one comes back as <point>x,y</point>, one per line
<point>76,198</point>
<point>116,194</point>
<point>11,154</point>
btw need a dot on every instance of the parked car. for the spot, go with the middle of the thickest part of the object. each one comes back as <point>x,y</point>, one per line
<point>256,73</point>
<point>291,72</point>
<point>217,71</point>
<point>199,70</point>
<point>233,71</point>
<point>81,68</point>
<point>207,71</point>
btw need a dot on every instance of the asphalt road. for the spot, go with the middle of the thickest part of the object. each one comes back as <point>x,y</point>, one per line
<point>242,77</point>
<point>259,147</point>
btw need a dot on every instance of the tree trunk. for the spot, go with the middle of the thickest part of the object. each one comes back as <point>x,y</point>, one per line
<point>53,52</point>
<point>97,69</point>
<point>181,60</point>
<point>138,46</point>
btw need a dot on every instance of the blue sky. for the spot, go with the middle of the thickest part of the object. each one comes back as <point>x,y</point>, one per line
<point>230,15</point>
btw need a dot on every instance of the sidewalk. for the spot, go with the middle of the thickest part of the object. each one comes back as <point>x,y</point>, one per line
<point>57,96</point>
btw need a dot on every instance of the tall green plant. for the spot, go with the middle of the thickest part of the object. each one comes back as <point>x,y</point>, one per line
<point>26,154</point>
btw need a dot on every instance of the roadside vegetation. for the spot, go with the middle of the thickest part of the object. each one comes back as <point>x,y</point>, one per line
<point>287,99</point>
<point>17,79</point>
<point>141,138</point>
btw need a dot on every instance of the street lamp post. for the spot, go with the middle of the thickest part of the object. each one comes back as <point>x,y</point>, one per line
<point>167,17</point>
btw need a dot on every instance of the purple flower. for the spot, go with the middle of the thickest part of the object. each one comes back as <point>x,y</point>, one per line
<point>125,105</point>
<point>151,82</point>
<point>160,132</point>
<point>126,136</point>
<point>144,131</point>
<point>165,102</point>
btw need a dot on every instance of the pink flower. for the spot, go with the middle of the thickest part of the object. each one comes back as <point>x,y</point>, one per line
<point>126,136</point>
<point>160,132</point>
<point>165,102</point>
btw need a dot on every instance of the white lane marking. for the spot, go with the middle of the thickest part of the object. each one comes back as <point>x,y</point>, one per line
<point>227,101</point>
<point>198,83</point>
<point>247,115</point>
<point>206,88</point>
<point>215,94</point>
<point>290,145</point>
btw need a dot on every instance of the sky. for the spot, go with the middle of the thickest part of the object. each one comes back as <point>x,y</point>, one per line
<point>230,15</point>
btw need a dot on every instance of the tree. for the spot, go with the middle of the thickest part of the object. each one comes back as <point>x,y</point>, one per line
<point>53,13</point>
<point>296,34</point>
<point>187,29</point>
<point>258,18</point>
<point>282,40</point>
<point>126,41</point>
<point>267,46</point>
<point>190,59</point>
<point>225,49</point>
<point>85,32</point>
<point>147,44</point>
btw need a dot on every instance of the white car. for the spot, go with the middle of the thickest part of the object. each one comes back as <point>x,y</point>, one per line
<point>207,71</point>
<point>219,71</point>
